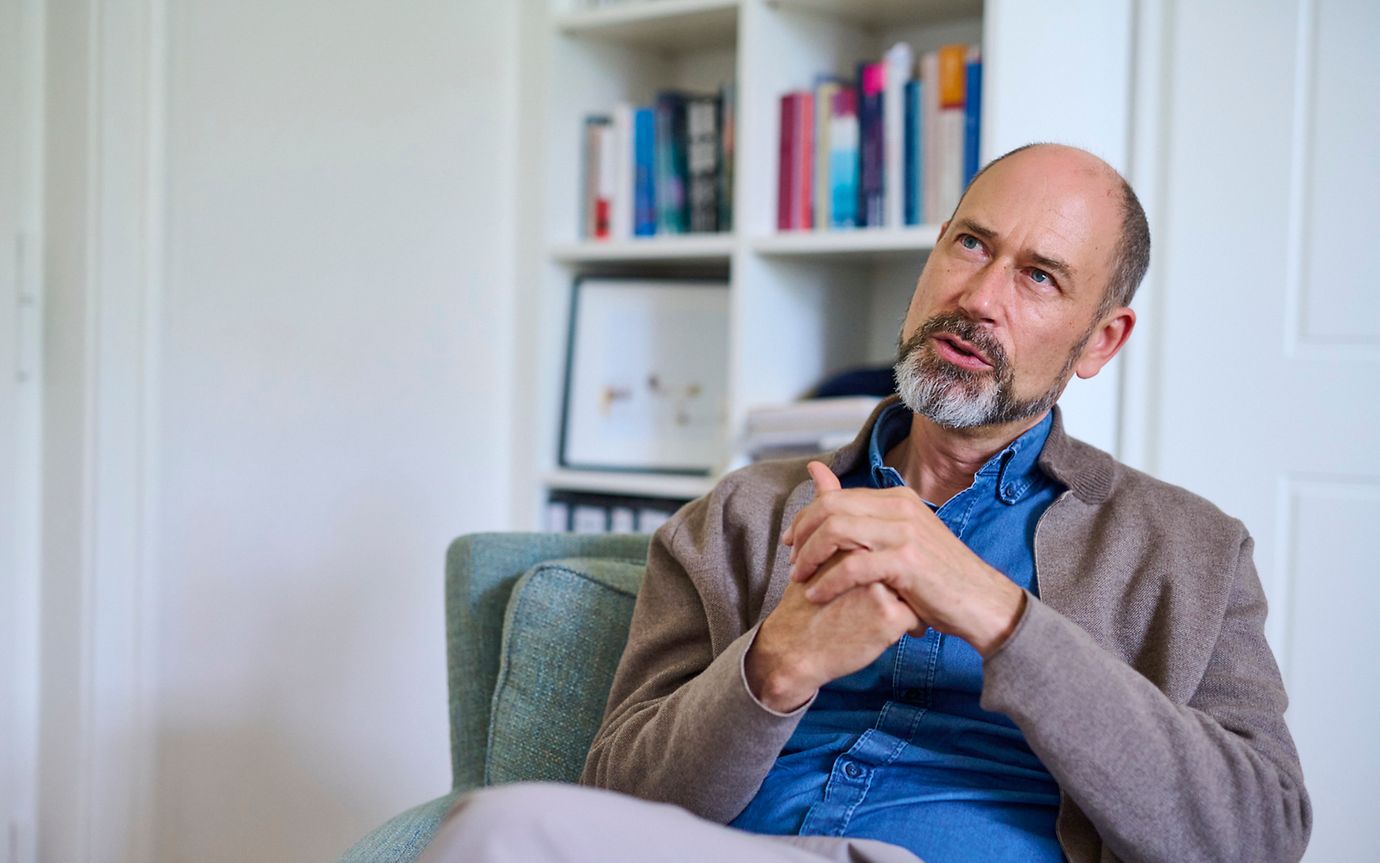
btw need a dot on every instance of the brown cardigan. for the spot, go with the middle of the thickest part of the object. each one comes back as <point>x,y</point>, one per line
<point>1141,676</point>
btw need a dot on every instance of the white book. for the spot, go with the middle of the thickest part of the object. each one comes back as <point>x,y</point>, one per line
<point>621,225</point>
<point>587,518</point>
<point>949,181</point>
<point>557,517</point>
<point>900,66</point>
<point>846,413</point>
<point>604,182</point>
<point>622,519</point>
<point>648,520</point>
<point>929,138</point>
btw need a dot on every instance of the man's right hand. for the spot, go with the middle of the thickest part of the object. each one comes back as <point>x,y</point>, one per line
<point>802,645</point>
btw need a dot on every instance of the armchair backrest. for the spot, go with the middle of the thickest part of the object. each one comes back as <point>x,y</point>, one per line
<point>481,573</point>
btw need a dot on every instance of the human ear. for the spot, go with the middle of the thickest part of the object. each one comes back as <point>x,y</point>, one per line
<point>1106,341</point>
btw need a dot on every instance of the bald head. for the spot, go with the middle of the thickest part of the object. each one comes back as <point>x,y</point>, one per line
<point>1084,174</point>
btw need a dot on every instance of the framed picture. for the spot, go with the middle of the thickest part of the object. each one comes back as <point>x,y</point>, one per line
<point>646,370</point>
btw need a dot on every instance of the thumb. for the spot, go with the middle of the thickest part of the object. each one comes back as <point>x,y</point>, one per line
<point>823,477</point>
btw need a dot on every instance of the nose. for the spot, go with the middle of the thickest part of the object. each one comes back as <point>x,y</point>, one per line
<point>985,291</point>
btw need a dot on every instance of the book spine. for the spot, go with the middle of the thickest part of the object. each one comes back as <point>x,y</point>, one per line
<point>670,174</point>
<point>589,175</point>
<point>899,64</point>
<point>644,172</point>
<point>914,214</point>
<point>622,219</point>
<point>785,164</point>
<point>702,163</point>
<point>929,137</point>
<point>804,161</point>
<point>972,116</point>
<point>871,203</point>
<point>952,120</point>
<point>727,134</point>
<point>604,183</point>
<point>843,168</point>
<point>823,191</point>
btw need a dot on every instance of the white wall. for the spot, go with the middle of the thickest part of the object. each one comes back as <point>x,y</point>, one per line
<point>301,213</point>
<point>337,355</point>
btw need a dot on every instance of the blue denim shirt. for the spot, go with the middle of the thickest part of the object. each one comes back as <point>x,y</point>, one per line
<point>901,751</point>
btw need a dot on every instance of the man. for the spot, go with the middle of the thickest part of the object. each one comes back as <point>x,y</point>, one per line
<point>966,637</point>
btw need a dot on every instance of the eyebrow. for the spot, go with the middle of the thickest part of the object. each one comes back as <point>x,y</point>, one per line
<point>1045,261</point>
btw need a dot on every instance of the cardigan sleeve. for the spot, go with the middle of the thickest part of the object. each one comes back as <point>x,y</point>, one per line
<point>1217,778</point>
<point>681,725</point>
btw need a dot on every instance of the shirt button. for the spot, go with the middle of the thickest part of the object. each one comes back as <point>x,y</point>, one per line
<point>852,770</point>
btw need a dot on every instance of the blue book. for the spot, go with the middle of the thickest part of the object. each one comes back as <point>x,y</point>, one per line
<point>843,159</point>
<point>672,171</point>
<point>644,172</point>
<point>972,119</point>
<point>914,154</point>
<point>871,143</point>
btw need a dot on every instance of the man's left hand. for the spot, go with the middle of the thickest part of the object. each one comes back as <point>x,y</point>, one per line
<point>851,537</point>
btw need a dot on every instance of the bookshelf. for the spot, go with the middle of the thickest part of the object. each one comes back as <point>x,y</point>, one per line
<point>802,304</point>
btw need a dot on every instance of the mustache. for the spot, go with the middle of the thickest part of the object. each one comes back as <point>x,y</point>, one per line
<point>965,328</point>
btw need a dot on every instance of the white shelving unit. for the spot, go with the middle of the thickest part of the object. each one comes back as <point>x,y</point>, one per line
<point>803,304</point>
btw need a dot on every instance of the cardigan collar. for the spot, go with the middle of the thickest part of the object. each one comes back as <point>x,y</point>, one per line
<point>1085,470</point>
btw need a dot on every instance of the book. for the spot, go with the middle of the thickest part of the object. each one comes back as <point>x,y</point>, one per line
<point>590,166</point>
<point>972,116</point>
<point>803,158</point>
<point>823,151</point>
<point>621,220</point>
<point>597,512</point>
<point>900,64</point>
<point>702,157</point>
<point>949,130</point>
<point>929,137</point>
<point>843,159</point>
<point>604,183</point>
<point>785,163</point>
<point>914,156</point>
<point>644,172</point>
<point>871,204</point>
<point>671,169</point>
<point>727,136</point>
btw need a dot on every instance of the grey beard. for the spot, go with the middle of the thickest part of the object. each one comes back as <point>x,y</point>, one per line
<point>959,398</point>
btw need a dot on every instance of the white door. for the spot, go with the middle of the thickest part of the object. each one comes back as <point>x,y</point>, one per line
<point>1265,391</point>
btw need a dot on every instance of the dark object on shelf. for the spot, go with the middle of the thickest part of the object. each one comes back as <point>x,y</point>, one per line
<point>877,381</point>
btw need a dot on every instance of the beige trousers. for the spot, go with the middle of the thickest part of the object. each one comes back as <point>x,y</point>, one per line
<point>531,822</point>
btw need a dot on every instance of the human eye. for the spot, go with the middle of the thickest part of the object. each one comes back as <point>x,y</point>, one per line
<point>1042,279</point>
<point>969,242</point>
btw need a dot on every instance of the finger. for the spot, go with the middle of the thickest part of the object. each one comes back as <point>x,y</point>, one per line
<point>823,477</point>
<point>824,480</point>
<point>847,570</point>
<point>842,533</point>
<point>898,503</point>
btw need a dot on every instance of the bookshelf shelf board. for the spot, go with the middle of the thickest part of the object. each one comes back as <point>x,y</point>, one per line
<point>637,484</point>
<point>883,13</point>
<point>708,248</point>
<point>665,24</point>
<point>871,243</point>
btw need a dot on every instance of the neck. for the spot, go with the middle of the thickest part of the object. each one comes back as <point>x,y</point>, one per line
<point>940,462</point>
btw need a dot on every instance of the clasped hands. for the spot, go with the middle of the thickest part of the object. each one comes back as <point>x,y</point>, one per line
<point>867,566</point>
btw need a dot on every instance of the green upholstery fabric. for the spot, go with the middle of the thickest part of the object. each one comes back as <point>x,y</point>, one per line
<point>583,583</point>
<point>563,634</point>
<point>402,839</point>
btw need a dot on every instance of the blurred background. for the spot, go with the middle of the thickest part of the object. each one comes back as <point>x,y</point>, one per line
<point>285,306</point>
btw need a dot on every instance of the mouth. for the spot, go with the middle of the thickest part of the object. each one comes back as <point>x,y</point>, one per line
<point>959,352</point>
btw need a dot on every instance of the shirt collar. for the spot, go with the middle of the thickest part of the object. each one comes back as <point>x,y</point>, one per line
<point>1015,466</point>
